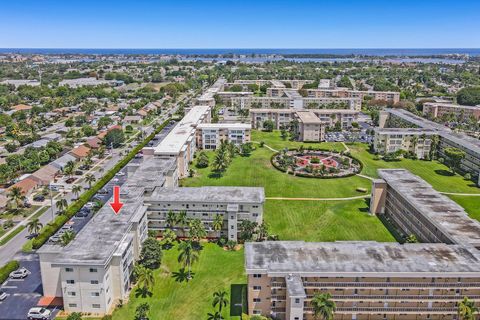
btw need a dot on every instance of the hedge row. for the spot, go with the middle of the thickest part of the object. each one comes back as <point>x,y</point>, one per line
<point>347,154</point>
<point>7,268</point>
<point>52,227</point>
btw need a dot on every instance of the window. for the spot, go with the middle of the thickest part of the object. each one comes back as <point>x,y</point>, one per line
<point>93,281</point>
<point>93,269</point>
<point>95,294</point>
<point>256,300</point>
<point>257,275</point>
<point>70,281</point>
<point>96,305</point>
<point>257,288</point>
<point>72,305</point>
<point>72,293</point>
<point>297,300</point>
<point>68,269</point>
<point>257,312</point>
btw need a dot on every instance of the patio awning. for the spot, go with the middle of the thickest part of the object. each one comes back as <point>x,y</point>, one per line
<point>50,302</point>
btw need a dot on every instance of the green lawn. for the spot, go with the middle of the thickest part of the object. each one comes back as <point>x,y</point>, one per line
<point>217,269</point>
<point>274,140</point>
<point>470,204</point>
<point>257,171</point>
<point>324,221</point>
<point>435,173</point>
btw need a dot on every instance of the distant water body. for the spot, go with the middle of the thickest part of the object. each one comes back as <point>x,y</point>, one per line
<point>364,52</point>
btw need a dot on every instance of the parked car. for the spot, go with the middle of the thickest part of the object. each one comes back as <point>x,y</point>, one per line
<point>19,273</point>
<point>103,191</point>
<point>78,172</point>
<point>138,156</point>
<point>38,313</point>
<point>120,174</point>
<point>39,198</point>
<point>55,238</point>
<point>90,205</point>
<point>66,228</point>
<point>70,180</point>
<point>3,295</point>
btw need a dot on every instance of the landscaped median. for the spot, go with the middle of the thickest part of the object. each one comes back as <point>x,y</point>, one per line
<point>7,269</point>
<point>73,208</point>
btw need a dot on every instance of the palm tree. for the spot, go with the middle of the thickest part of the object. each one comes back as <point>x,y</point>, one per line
<point>467,309</point>
<point>67,237</point>
<point>34,226</point>
<point>145,278</point>
<point>69,168</point>
<point>196,229</point>
<point>214,316</point>
<point>217,223</point>
<point>171,219</point>
<point>220,298</point>
<point>188,255</point>
<point>182,221</point>
<point>16,197</point>
<point>61,205</point>
<point>76,189</point>
<point>323,306</point>
<point>90,178</point>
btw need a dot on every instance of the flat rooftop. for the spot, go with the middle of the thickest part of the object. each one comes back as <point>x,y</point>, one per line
<point>354,258</point>
<point>178,137</point>
<point>308,117</point>
<point>461,140</point>
<point>97,241</point>
<point>451,105</point>
<point>244,126</point>
<point>209,194</point>
<point>439,209</point>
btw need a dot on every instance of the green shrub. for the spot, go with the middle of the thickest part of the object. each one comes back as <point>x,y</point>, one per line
<point>52,227</point>
<point>7,268</point>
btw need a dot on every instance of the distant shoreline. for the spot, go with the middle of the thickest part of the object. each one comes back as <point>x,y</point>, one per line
<point>287,53</point>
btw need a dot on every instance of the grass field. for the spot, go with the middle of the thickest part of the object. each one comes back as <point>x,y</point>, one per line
<point>324,221</point>
<point>217,269</point>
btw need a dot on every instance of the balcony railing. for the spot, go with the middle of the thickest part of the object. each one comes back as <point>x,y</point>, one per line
<point>387,284</point>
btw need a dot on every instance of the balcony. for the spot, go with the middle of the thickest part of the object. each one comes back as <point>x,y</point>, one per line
<point>400,285</point>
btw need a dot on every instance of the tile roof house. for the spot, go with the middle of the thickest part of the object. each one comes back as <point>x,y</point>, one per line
<point>22,107</point>
<point>94,142</point>
<point>45,174</point>
<point>27,185</point>
<point>80,152</point>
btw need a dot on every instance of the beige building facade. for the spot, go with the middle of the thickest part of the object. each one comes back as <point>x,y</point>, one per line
<point>210,135</point>
<point>439,109</point>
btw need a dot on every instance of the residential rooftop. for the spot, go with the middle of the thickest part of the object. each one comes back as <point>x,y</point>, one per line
<point>412,131</point>
<point>359,257</point>
<point>97,241</point>
<point>244,126</point>
<point>308,117</point>
<point>439,209</point>
<point>175,141</point>
<point>210,194</point>
<point>452,105</point>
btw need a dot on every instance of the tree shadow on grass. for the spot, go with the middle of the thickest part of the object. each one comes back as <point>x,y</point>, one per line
<point>238,299</point>
<point>182,275</point>
<point>215,175</point>
<point>444,173</point>
<point>142,292</point>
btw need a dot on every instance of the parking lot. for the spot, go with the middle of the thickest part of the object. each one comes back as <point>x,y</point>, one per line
<point>23,294</point>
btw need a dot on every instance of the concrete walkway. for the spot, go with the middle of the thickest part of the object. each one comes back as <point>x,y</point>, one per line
<point>266,146</point>
<point>461,194</point>
<point>319,199</point>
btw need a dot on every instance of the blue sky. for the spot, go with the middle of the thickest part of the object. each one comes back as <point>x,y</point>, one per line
<point>240,24</point>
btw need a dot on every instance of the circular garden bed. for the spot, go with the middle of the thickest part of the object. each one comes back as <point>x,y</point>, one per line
<point>316,163</point>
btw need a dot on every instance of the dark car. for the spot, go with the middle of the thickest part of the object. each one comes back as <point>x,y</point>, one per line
<point>78,172</point>
<point>70,180</point>
<point>39,198</point>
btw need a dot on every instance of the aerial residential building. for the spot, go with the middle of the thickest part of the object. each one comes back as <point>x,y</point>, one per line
<point>22,82</point>
<point>234,204</point>
<point>448,138</point>
<point>210,135</point>
<point>208,97</point>
<point>180,143</point>
<point>414,140</point>
<point>309,127</point>
<point>293,100</point>
<point>283,117</point>
<point>438,110</point>
<point>367,280</point>
<point>414,207</point>
<point>93,272</point>
<point>80,82</point>
<point>390,96</point>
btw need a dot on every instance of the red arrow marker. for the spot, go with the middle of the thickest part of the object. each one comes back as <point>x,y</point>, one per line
<point>116,204</point>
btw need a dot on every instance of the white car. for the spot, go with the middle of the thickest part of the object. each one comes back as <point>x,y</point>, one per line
<point>38,313</point>
<point>89,205</point>
<point>120,174</point>
<point>3,295</point>
<point>19,274</point>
